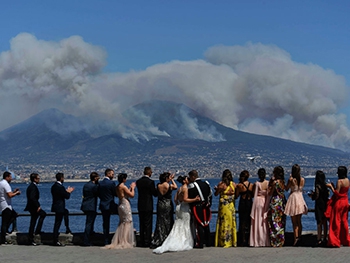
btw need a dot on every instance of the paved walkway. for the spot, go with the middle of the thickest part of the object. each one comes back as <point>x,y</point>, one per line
<point>77,254</point>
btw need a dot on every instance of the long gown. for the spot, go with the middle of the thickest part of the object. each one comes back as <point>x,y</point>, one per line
<point>124,235</point>
<point>276,216</point>
<point>180,237</point>
<point>321,198</point>
<point>296,204</point>
<point>245,208</point>
<point>259,228</point>
<point>337,212</point>
<point>226,233</point>
<point>165,218</point>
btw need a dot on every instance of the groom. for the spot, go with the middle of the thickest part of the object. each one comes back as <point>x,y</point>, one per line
<point>201,209</point>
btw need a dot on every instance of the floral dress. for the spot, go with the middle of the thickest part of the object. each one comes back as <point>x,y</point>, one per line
<point>226,234</point>
<point>276,216</point>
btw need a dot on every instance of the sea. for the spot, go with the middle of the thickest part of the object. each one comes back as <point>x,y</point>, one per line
<point>77,222</point>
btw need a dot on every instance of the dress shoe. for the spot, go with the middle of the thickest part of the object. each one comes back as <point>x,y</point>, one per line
<point>68,231</point>
<point>7,243</point>
<point>34,244</point>
<point>59,244</point>
<point>86,245</point>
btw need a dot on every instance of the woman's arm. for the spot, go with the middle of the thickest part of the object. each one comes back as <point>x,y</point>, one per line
<point>189,200</point>
<point>289,184</point>
<point>238,189</point>
<point>339,185</point>
<point>130,192</point>
<point>218,188</point>
<point>173,184</point>
<point>176,198</point>
<point>271,187</point>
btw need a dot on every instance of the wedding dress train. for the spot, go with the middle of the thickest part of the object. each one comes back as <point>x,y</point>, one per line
<point>180,237</point>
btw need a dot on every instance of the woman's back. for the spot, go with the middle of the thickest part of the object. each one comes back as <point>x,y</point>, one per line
<point>246,190</point>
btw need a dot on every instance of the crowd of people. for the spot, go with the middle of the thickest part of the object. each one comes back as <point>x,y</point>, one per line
<point>262,207</point>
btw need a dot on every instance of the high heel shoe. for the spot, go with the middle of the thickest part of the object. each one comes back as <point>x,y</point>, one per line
<point>296,241</point>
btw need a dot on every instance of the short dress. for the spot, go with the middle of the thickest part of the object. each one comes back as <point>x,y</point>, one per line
<point>296,204</point>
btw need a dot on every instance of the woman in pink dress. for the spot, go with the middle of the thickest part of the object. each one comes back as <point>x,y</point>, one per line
<point>296,205</point>
<point>259,228</point>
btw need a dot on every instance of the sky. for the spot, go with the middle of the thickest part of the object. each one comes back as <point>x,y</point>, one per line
<point>277,68</point>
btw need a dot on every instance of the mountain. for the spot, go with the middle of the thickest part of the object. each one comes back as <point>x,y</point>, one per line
<point>165,134</point>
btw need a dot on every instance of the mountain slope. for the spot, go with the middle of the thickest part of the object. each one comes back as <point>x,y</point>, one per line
<point>169,134</point>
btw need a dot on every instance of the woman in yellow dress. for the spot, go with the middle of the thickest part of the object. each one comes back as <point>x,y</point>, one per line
<point>226,234</point>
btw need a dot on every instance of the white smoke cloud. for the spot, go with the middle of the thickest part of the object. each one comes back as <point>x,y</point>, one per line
<point>256,88</point>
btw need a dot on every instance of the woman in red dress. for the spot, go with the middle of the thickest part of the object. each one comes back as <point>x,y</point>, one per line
<point>337,211</point>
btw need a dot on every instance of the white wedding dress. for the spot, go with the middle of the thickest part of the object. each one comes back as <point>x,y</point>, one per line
<point>180,237</point>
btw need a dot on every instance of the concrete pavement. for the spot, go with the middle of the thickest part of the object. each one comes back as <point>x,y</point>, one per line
<point>77,254</point>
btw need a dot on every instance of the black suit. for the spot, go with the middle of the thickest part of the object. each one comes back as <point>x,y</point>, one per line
<point>106,193</point>
<point>146,190</point>
<point>59,196</point>
<point>32,206</point>
<point>88,206</point>
<point>201,212</point>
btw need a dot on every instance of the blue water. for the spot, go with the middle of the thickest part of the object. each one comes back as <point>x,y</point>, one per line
<point>77,222</point>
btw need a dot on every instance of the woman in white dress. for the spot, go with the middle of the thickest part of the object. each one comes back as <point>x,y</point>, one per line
<point>180,237</point>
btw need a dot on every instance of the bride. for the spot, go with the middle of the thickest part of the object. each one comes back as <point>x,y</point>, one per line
<point>180,237</point>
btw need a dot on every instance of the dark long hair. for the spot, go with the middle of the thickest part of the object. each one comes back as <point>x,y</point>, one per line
<point>278,173</point>
<point>227,177</point>
<point>320,179</point>
<point>181,179</point>
<point>342,172</point>
<point>296,173</point>
<point>243,176</point>
<point>163,177</point>
<point>121,177</point>
<point>262,174</point>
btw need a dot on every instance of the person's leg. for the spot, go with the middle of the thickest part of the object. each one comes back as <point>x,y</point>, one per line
<point>5,220</point>
<point>106,215</point>
<point>207,236</point>
<point>94,214</point>
<point>148,228</point>
<point>300,226</point>
<point>66,221</point>
<point>319,232</point>
<point>33,218</point>
<point>88,226</point>
<point>57,225</point>
<point>142,228</point>
<point>325,230</point>
<point>42,215</point>
<point>295,229</point>
<point>200,235</point>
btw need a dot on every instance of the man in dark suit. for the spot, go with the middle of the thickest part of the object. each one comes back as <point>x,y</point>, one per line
<point>59,196</point>
<point>89,205</point>
<point>201,209</point>
<point>33,206</point>
<point>106,193</point>
<point>146,190</point>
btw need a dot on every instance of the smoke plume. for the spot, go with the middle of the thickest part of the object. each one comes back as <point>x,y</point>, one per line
<point>255,88</point>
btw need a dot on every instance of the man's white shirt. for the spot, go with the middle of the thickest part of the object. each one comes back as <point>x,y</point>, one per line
<point>5,200</point>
